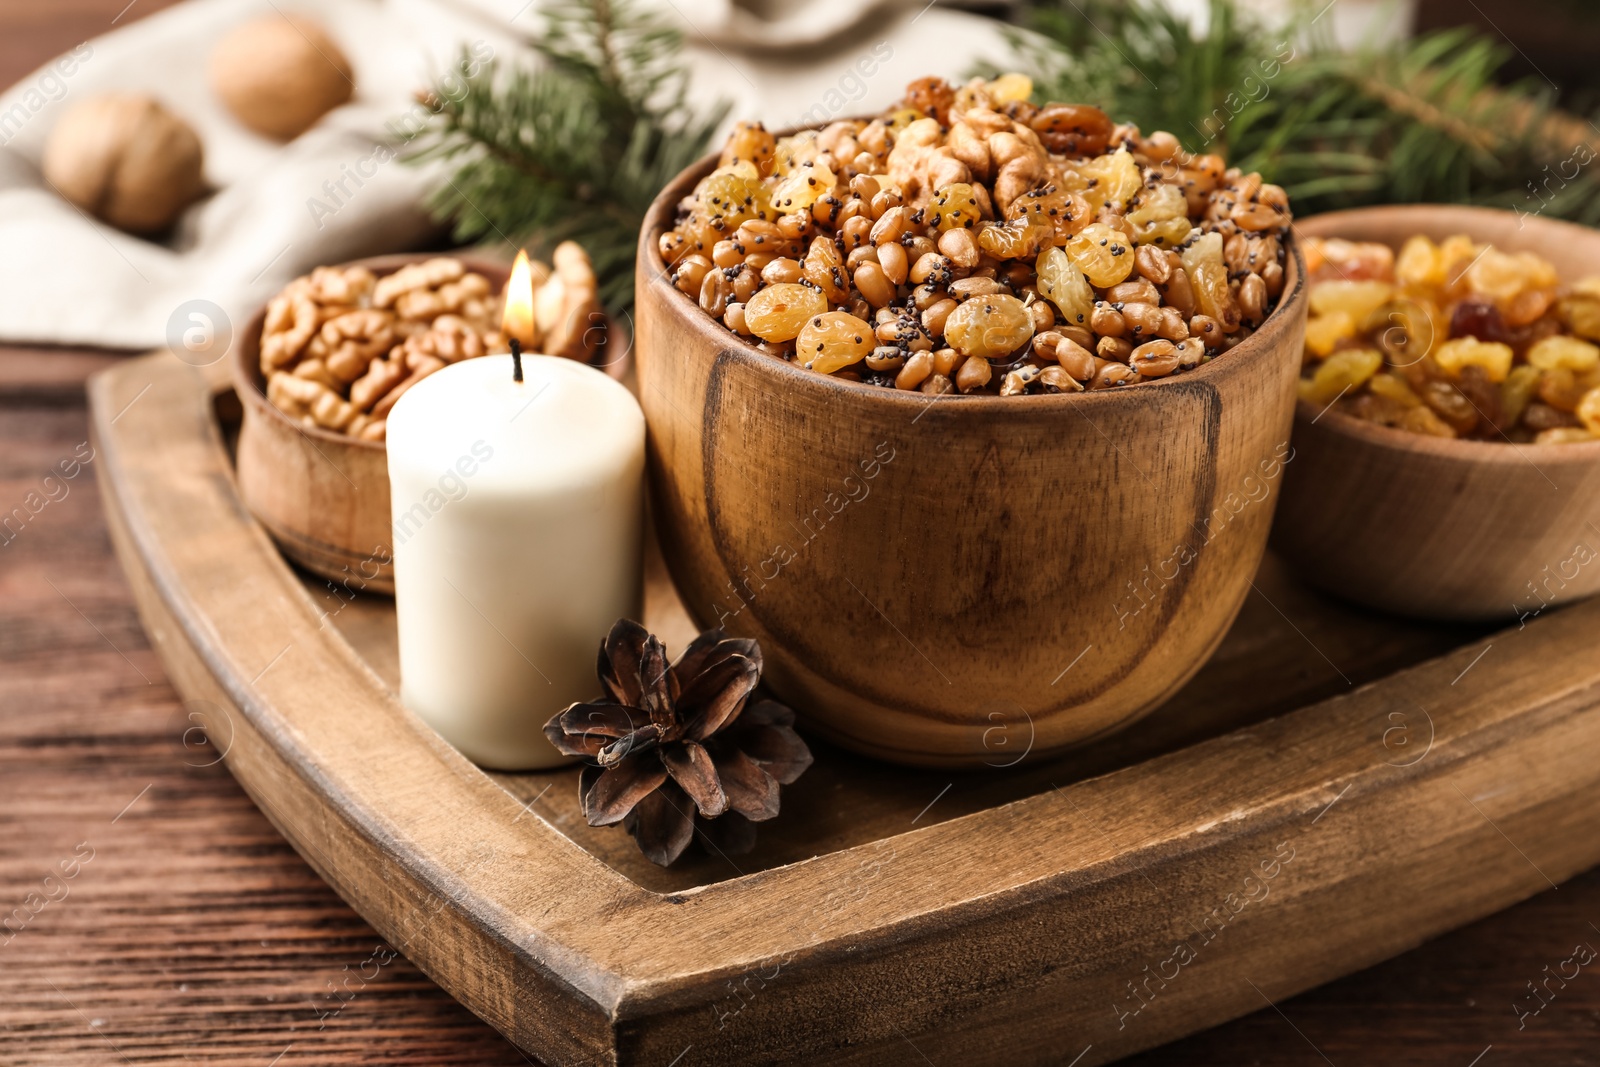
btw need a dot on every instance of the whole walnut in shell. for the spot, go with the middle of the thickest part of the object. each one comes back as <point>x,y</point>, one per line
<point>280,74</point>
<point>125,158</point>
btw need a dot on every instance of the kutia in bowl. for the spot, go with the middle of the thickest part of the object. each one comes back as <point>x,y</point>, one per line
<point>995,515</point>
<point>318,369</point>
<point>1447,459</point>
<point>970,241</point>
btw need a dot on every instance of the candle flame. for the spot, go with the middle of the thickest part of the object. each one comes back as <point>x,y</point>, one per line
<point>517,319</point>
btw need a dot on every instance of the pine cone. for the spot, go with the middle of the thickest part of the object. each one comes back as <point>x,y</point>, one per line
<point>677,746</point>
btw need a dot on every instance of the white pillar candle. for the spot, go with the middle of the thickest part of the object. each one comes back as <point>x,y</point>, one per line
<point>517,511</point>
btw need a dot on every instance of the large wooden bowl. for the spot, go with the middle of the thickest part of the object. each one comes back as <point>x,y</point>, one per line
<point>1438,528</point>
<point>961,580</point>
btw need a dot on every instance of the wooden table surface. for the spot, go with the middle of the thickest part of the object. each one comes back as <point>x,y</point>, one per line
<point>157,917</point>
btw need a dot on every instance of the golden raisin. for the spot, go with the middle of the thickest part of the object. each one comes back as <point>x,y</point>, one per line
<point>1519,388</point>
<point>823,267</point>
<point>1102,254</point>
<point>832,341</point>
<point>1012,242</point>
<point>989,326</point>
<point>1340,373</point>
<point>1456,356</point>
<point>809,183</point>
<point>778,312</point>
<point>1569,352</point>
<point>750,142</point>
<point>1324,332</point>
<point>1358,299</point>
<point>1065,286</point>
<point>952,206</point>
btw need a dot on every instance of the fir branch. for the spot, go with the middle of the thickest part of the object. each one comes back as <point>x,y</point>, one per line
<point>575,149</point>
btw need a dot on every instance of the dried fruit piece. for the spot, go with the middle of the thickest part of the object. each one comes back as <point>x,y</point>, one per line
<point>1104,255</point>
<point>1589,410</point>
<point>1012,242</point>
<point>779,312</point>
<point>750,143</point>
<point>1568,352</point>
<point>1212,295</point>
<point>1419,263</point>
<point>1113,179</point>
<point>1010,88</point>
<point>1423,420</point>
<point>1480,319</point>
<point>1335,258</point>
<point>832,341</point>
<point>1451,405</point>
<point>1562,389</point>
<point>1501,275</point>
<point>932,97</point>
<point>1340,373</point>
<point>733,194</point>
<point>1455,356</point>
<point>1358,299</point>
<point>1395,389</point>
<point>952,206</point>
<point>1520,387</point>
<point>808,183</point>
<point>1168,233</point>
<point>1158,204</point>
<point>989,326</point>
<point>1208,278</point>
<point>1581,313</point>
<point>823,267</point>
<point>1324,332</point>
<point>1065,286</point>
<point>1072,129</point>
<point>1064,212</point>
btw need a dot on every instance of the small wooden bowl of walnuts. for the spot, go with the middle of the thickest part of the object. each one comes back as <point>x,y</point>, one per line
<point>943,406</point>
<point>1447,440</point>
<point>318,369</point>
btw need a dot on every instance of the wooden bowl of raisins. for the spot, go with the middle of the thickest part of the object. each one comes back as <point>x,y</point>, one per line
<point>955,577</point>
<point>1447,441</point>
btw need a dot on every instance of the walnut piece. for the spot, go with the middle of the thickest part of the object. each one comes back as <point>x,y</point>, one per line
<point>429,274</point>
<point>348,343</point>
<point>340,346</point>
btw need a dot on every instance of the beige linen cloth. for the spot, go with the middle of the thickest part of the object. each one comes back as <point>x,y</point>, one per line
<point>334,193</point>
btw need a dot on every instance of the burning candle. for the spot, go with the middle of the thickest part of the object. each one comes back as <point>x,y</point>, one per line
<point>516,483</point>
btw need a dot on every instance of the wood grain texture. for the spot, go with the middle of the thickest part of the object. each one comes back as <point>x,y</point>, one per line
<point>1013,925</point>
<point>1439,528</point>
<point>921,571</point>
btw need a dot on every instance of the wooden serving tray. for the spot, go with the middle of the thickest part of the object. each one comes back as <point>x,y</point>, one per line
<point>1332,789</point>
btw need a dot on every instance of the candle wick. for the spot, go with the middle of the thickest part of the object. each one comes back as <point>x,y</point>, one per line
<point>516,360</point>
